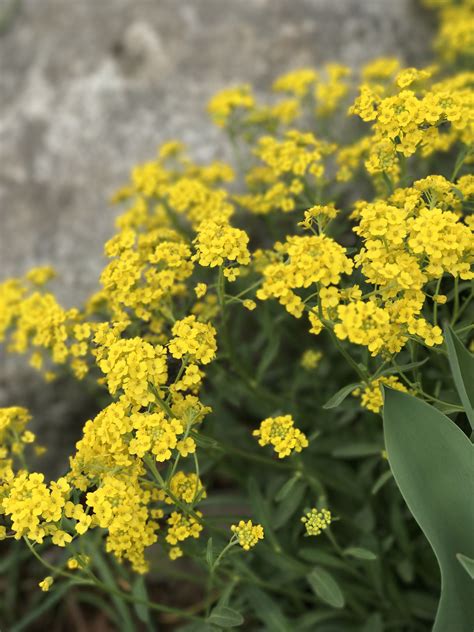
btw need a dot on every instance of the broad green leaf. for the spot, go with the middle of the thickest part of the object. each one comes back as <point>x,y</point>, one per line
<point>225,617</point>
<point>467,563</point>
<point>356,450</point>
<point>326,587</point>
<point>433,465</point>
<point>140,592</point>
<point>360,553</point>
<point>341,395</point>
<point>268,611</point>
<point>461,362</point>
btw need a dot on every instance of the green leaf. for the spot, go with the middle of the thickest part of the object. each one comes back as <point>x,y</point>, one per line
<point>289,506</point>
<point>373,623</point>
<point>467,563</point>
<point>432,461</point>
<point>326,587</point>
<point>107,577</point>
<point>225,617</point>
<point>341,395</point>
<point>356,450</point>
<point>380,482</point>
<point>209,553</point>
<point>139,591</point>
<point>461,362</point>
<point>268,611</point>
<point>287,487</point>
<point>360,553</point>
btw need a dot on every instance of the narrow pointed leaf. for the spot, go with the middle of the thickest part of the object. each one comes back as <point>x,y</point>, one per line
<point>432,461</point>
<point>340,396</point>
<point>462,367</point>
<point>467,563</point>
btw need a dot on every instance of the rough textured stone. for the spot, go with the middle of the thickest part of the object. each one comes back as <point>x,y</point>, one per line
<point>89,87</point>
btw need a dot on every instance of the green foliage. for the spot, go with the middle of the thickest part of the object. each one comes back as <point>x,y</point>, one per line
<point>433,464</point>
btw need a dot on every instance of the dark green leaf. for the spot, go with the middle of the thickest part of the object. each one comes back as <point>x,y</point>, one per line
<point>107,577</point>
<point>373,624</point>
<point>287,487</point>
<point>380,482</point>
<point>433,465</point>
<point>461,362</point>
<point>289,506</point>
<point>360,553</point>
<point>225,617</point>
<point>326,587</point>
<point>341,395</point>
<point>139,591</point>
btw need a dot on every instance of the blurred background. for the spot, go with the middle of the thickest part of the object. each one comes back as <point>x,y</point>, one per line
<point>90,87</point>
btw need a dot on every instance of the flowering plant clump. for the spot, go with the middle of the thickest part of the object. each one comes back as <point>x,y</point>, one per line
<point>244,343</point>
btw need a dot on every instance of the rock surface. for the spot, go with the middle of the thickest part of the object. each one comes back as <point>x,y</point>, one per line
<point>88,87</point>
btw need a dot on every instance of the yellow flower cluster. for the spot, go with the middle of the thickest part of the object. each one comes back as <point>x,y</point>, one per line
<point>35,508</point>
<point>403,122</point>
<point>371,395</point>
<point>132,366</point>
<point>455,39</point>
<point>181,527</point>
<point>302,262</point>
<point>297,82</point>
<point>316,520</point>
<point>311,359</point>
<point>120,506</point>
<point>281,434</point>
<point>218,243</point>
<point>194,339</point>
<point>226,102</point>
<point>247,534</point>
<point>13,436</point>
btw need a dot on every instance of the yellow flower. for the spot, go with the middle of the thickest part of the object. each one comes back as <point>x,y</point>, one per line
<point>195,339</point>
<point>200,289</point>
<point>316,520</point>
<point>247,534</point>
<point>310,359</point>
<point>46,583</point>
<point>280,433</point>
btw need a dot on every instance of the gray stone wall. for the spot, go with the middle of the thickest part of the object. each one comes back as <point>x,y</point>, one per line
<point>89,87</point>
